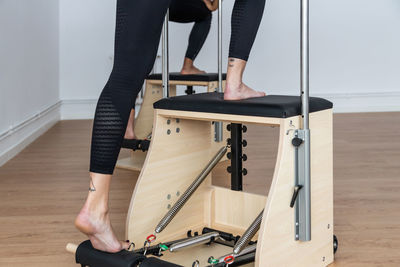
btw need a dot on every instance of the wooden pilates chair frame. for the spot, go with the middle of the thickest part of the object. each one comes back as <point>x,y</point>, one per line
<point>227,210</point>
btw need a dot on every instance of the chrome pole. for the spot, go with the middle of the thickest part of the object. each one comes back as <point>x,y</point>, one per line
<point>219,125</point>
<point>165,57</point>
<point>305,228</point>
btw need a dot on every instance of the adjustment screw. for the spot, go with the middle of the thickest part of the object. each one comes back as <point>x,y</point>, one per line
<point>244,171</point>
<point>229,141</point>
<point>229,155</point>
<point>169,131</point>
<point>297,141</point>
<point>168,122</point>
<point>244,143</point>
<point>228,127</point>
<point>244,128</point>
<point>229,169</point>
<point>244,157</point>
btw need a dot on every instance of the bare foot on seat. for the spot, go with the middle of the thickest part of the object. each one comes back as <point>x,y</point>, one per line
<point>235,88</point>
<point>189,68</point>
<point>240,92</point>
<point>94,221</point>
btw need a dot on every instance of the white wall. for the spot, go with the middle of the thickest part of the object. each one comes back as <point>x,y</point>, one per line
<point>29,91</point>
<point>354,51</point>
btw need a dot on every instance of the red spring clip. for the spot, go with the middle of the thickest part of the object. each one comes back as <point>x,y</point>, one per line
<point>229,259</point>
<point>151,238</point>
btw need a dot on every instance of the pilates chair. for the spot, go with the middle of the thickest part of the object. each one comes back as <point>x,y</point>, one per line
<point>153,93</point>
<point>281,238</point>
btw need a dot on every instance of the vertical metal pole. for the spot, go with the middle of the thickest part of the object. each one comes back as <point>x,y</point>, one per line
<point>304,69</point>
<point>165,57</point>
<point>219,125</point>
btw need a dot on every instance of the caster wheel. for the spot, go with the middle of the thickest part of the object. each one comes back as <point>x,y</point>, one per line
<point>335,244</point>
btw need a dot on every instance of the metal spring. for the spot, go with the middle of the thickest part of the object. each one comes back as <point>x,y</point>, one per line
<point>191,189</point>
<point>248,235</point>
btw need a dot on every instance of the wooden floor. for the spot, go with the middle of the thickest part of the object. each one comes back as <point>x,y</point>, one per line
<point>42,189</point>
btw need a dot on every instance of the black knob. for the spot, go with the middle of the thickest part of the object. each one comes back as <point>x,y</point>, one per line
<point>244,157</point>
<point>229,141</point>
<point>229,155</point>
<point>244,143</point>
<point>229,169</point>
<point>244,128</point>
<point>228,127</point>
<point>297,142</point>
<point>244,171</point>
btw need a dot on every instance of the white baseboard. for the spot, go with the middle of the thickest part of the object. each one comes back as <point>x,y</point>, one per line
<point>75,109</point>
<point>20,136</point>
<point>364,102</point>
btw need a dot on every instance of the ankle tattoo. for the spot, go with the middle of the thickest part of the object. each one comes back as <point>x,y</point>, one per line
<point>92,188</point>
<point>231,61</point>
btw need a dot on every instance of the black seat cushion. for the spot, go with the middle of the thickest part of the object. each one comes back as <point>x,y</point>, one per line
<point>176,76</point>
<point>277,106</point>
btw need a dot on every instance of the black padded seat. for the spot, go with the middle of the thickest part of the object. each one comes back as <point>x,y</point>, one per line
<point>277,106</point>
<point>176,76</point>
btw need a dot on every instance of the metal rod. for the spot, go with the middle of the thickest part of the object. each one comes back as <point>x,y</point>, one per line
<point>304,70</point>
<point>248,235</point>
<point>218,125</point>
<point>220,90</point>
<point>189,192</point>
<point>194,241</point>
<point>165,57</point>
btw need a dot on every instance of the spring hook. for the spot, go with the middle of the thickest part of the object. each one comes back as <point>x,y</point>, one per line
<point>229,260</point>
<point>146,247</point>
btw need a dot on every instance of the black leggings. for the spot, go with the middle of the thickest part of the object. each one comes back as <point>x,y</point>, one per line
<point>186,11</point>
<point>138,29</point>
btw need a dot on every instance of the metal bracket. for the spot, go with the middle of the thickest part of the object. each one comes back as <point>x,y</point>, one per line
<point>303,182</point>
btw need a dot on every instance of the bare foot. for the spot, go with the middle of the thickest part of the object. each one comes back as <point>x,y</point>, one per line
<point>97,227</point>
<point>240,92</point>
<point>191,70</point>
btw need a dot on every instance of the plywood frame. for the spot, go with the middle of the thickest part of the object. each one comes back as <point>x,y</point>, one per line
<point>175,158</point>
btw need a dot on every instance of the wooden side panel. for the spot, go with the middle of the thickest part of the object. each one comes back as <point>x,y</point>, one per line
<point>277,245</point>
<point>134,162</point>
<point>179,150</point>
<point>234,209</point>
<point>144,120</point>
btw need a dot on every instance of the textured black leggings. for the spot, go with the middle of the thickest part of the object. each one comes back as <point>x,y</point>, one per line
<point>138,29</point>
<point>186,11</point>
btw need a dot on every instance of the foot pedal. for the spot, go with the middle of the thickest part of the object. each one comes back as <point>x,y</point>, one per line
<point>86,255</point>
<point>135,144</point>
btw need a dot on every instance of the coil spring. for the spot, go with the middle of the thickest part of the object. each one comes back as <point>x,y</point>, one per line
<point>191,189</point>
<point>248,235</point>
